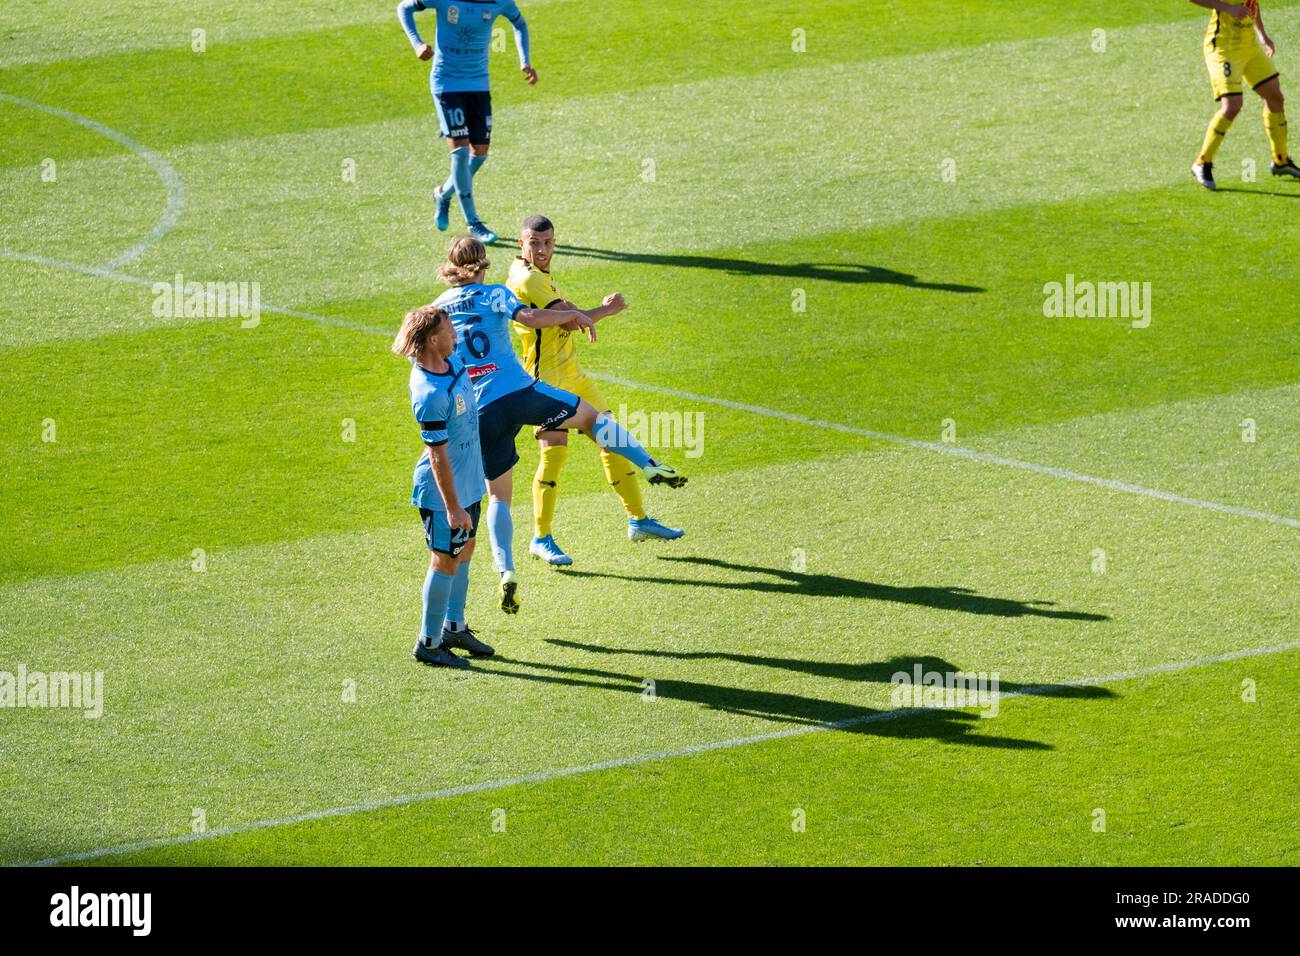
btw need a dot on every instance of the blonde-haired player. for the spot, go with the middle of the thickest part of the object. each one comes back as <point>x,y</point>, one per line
<point>550,357</point>
<point>1237,49</point>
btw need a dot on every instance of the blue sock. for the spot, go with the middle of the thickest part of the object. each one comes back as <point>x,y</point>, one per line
<point>437,589</point>
<point>463,180</point>
<point>611,435</point>
<point>456,601</point>
<point>501,532</point>
<point>475,163</point>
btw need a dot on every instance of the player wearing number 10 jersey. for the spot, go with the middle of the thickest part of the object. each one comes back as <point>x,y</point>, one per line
<point>509,398</point>
<point>459,81</point>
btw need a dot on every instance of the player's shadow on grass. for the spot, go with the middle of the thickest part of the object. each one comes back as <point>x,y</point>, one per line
<point>831,585</point>
<point>878,671</point>
<point>1257,192</point>
<point>827,271</point>
<point>949,726</point>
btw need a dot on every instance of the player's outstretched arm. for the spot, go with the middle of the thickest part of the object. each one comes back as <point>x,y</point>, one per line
<point>545,318</point>
<point>406,17</point>
<point>612,305</point>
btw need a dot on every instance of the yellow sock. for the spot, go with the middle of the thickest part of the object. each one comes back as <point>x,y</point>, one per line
<point>622,477</point>
<point>1275,127</point>
<point>545,487</point>
<point>1214,137</point>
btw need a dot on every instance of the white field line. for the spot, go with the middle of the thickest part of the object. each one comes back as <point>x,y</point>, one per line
<point>1108,483</point>
<point>166,172</point>
<point>545,775</point>
<point>960,452</point>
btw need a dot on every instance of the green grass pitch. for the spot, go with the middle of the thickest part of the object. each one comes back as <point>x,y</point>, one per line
<point>834,224</point>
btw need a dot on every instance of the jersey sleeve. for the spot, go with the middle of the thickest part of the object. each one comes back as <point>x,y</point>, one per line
<point>506,303</point>
<point>406,11</point>
<point>432,415</point>
<point>510,10</point>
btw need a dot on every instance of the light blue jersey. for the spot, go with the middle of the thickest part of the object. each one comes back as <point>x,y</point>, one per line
<point>463,38</point>
<point>448,415</point>
<point>481,315</point>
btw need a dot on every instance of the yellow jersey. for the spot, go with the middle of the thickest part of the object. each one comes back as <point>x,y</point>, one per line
<point>1228,33</point>
<point>549,353</point>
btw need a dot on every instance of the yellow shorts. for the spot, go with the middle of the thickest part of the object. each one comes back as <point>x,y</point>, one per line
<point>1229,68</point>
<point>578,382</point>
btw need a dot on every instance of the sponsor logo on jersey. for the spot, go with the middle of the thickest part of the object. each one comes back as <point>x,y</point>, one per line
<point>476,370</point>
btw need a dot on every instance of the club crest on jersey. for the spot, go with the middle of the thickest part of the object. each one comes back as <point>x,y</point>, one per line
<point>453,14</point>
<point>461,407</point>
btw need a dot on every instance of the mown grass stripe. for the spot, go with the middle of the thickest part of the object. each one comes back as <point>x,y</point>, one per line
<point>618,762</point>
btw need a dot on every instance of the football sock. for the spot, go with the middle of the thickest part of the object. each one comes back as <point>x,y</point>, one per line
<point>501,531</point>
<point>437,588</point>
<point>449,187</point>
<point>612,436</point>
<point>455,619</point>
<point>1214,137</point>
<point>623,480</point>
<point>545,488</point>
<point>463,180</point>
<point>1275,127</point>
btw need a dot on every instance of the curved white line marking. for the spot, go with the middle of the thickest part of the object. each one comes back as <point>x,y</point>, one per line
<point>170,178</point>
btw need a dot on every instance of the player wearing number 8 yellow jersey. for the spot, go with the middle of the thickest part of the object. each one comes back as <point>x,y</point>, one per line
<point>1238,49</point>
<point>550,356</point>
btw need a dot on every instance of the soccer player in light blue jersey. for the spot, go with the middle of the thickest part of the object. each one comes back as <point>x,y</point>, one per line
<point>459,81</point>
<point>448,485</point>
<point>509,398</point>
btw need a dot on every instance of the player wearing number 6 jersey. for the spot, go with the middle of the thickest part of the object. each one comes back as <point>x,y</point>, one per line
<point>1237,49</point>
<point>509,398</point>
<point>459,81</point>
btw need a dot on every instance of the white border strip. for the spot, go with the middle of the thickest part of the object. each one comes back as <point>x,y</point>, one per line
<point>543,776</point>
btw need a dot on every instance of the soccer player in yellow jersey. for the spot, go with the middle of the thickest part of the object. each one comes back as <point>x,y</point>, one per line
<point>1237,48</point>
<point>550,356</point>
